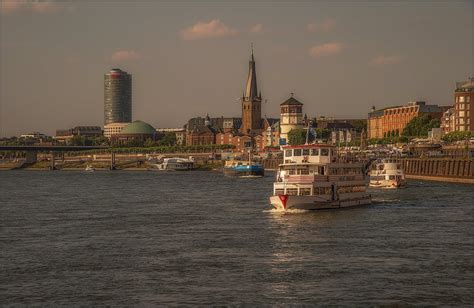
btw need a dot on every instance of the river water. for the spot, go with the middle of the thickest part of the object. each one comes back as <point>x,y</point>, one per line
<point>144,238</point>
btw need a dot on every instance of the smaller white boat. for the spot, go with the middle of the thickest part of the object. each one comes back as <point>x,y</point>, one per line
<point>175,163</point>
<point>89,168</point>
<point>387,174</point>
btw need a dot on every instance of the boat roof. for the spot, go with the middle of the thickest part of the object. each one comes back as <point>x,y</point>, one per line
<point>308,146</point>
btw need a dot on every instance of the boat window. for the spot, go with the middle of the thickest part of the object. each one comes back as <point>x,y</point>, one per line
<point>305,191</point>
<point>324,190</point>
<point>279,192</point>
<point>288,153</point>
<point>291,171</point>
<point>324,152</point>
<point>297,152</point>
<point>314,152</point>
<point>305,152</point>
<point>303,171</point>
<point>292,191</point>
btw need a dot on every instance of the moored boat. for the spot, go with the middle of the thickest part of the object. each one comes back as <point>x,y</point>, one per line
<point>175,163</point>
<point>243,168</point>
<point>387,174</point>
<point>313,178</point>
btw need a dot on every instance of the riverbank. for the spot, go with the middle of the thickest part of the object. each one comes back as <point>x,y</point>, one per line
<point>440,179</point>
<point>122,165</point>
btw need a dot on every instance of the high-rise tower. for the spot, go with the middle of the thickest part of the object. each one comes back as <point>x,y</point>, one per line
<point>117,97</point>
<point>251,102</point>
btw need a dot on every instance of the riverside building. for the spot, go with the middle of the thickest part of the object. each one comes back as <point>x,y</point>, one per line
<point>392,120</point>
<point>291,117</point>
<point>463,98</point>
<point>117,97</point>
<point>113,129</point>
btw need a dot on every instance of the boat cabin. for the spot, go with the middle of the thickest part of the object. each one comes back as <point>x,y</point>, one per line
<point>309,153</point>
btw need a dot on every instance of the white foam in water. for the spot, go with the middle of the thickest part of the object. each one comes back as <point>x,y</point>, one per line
<point>290,211</point>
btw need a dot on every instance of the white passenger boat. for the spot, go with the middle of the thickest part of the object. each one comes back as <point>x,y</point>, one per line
<point>312,177</point>
<point>387,174</point>
<point>175,163</point>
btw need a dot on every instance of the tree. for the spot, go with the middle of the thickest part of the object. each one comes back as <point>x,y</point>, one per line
<point>297,136</point>
<point>168,139</point>
<point>457,136</point>
<point>323,133</point>
<point>419,126</point>
<point>78,141</point>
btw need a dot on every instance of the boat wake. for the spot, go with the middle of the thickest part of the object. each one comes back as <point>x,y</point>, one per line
<point>384,200</point>
<point>290,211</point>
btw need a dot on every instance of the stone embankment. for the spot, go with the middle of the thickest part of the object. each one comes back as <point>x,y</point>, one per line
<point>459,170</point>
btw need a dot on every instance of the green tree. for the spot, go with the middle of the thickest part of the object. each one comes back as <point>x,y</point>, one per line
<point>297,136</point>
<point>168,139</point>
<point>322,133</point>
<point>457,136</point>
<point>419,126</point>
<point>78,141</point>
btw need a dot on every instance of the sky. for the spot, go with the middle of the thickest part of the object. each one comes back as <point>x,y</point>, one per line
<point>190,59</point>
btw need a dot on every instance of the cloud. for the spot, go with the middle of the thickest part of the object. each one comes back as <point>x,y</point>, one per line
<point>205,30</point>
<point>257,29</point>
<point>326,49</point>
<point>325,26</point>
<point>37,6</point>
<point>385,60</point>
<point>124,55</point>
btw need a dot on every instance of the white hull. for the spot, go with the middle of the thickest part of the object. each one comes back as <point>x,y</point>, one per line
<point>286,202</point>
<point>388,184</point>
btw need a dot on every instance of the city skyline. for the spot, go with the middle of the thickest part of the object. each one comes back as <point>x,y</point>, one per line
<point>190,60</point>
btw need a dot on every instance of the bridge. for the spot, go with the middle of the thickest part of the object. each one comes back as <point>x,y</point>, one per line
<point>32,151</point>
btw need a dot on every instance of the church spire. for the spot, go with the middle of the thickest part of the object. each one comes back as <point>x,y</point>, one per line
<point>251,90</point>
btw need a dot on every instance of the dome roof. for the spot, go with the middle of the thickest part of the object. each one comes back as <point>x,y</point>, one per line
<point>138,127</point>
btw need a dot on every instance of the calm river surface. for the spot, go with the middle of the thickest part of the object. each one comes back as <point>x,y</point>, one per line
<point>143,238</point>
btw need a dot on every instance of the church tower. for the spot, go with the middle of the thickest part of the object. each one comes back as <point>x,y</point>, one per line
<point>251,102</point>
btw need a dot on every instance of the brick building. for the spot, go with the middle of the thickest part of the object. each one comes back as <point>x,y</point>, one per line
<point>463,98</point>
<point>392,120</point>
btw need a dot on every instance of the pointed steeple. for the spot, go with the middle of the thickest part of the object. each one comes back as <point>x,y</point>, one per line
<point>251,90</point>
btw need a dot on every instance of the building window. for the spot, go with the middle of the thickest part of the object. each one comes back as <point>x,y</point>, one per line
<point>461,99</point>
<point>468,99</point>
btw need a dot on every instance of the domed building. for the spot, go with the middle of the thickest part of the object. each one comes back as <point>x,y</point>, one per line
<point>137,131</point>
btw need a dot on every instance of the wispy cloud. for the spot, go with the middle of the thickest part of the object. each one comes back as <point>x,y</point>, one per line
<point>326,25</point>
<point>124,55</point>
<point>326,49</point>
<point>205,30</point>
<point>46,6</point>
<point>257,29</point>
<point>385,60</point>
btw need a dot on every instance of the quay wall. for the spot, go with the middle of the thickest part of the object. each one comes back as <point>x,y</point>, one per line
<point>442,168</point>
